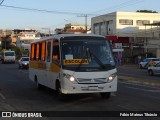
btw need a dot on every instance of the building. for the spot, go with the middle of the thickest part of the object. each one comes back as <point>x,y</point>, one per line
<point>123,30</point>
<point>23,37</point>
<point>75,28</point>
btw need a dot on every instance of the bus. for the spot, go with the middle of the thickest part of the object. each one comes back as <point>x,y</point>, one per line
<point>8,56</point>
<point>73,64</point>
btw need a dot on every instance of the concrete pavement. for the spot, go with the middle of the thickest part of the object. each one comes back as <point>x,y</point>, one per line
<point>135,79</point>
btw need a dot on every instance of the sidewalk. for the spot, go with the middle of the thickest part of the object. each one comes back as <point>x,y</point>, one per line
<point>138,80</point>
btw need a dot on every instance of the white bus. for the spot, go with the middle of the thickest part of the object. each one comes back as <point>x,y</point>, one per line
<point>73,64</point>
<point>8,56</point>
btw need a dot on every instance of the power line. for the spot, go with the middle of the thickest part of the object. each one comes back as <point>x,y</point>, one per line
<point>127,3</point>
<point>1,2</point>
<point>46,11</point>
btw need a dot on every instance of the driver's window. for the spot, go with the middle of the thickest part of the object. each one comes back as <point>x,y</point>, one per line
<point>55,52</point>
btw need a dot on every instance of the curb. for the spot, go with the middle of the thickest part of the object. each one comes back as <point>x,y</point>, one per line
<point>154,83</point>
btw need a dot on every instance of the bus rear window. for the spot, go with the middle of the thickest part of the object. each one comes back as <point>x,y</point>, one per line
<point>9,53</point>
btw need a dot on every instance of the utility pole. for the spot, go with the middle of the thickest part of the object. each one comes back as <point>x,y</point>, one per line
<point>49,31</point>
<point>85,16</point>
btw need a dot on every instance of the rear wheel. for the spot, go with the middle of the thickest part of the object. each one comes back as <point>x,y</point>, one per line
<point>150,72</point>
<point>39,86</point>
<point>105,95</point>
<point>19,66</point>
<point>140,66</point>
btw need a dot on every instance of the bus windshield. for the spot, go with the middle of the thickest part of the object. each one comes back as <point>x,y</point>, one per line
<point>9,54</point>
<point>87,55</point>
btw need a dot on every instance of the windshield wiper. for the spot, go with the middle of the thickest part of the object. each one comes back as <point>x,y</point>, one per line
<point>87,54</point>
<point>98,61</point>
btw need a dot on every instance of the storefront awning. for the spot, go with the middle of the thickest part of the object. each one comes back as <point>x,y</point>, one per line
<point>117,39</point>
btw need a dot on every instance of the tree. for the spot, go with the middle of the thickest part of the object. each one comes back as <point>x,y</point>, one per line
<point>146,11</point>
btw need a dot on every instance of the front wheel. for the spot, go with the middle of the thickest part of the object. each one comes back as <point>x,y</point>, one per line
<point>150,72</point>
<point>59,93</point>
<point>105,95</point>
<point>140,66</point>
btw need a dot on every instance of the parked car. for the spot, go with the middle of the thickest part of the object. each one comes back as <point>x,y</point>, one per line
<point>23,62</point>
<point>148,62</point>
<point>154,70</point>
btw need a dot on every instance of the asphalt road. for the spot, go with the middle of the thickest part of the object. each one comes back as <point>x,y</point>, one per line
<point>133,70</point>
<point>18,93</point>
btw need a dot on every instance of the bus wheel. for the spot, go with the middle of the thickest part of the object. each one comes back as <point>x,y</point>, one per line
<point>105,95</point>
<point>150,72</point>
<point>39,86</point>
<point>59,93</point>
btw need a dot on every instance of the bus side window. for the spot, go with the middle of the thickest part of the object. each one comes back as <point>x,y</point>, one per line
<point>43,51</point>
<point>40,51</point>
<point>32,52</point>
<point>55,53</point>
<point>37,52</point>
<point>48,51</point>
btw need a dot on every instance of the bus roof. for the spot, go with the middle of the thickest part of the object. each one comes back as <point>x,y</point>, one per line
<point>58,36</point>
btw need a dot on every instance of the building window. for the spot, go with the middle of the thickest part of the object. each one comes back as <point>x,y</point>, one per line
<point>102,28</point>
<point>96,28</point>
<point>125,22</point>
<point>142,22</point>
<point>156,21</point>
<point>110,27</point>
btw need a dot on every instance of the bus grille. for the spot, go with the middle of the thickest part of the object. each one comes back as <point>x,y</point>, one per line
<point>95,80</point>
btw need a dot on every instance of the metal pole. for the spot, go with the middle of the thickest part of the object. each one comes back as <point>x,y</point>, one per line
<point>86,22</point>
<point>146,42</point>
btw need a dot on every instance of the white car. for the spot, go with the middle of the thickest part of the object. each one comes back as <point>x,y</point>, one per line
<point>23,62</point>
<point>145,63</point>
<point>154,70</point>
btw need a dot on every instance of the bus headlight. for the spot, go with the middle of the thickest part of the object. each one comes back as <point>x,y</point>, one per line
<point>70,78</point>
<point>111,77</point>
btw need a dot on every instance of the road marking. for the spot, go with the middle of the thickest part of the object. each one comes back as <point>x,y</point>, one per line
<point>146,90</point>
<point>126,74</point>
<point>2,96</point>
<point>141,85</point>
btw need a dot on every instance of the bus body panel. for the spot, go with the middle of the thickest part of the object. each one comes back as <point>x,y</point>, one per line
<point>47,72</point>
<point>91,86</point>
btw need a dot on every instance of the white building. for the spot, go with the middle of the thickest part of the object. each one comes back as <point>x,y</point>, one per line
<point>27,38</point>
<point>123,28</point>
<point>123,23</point>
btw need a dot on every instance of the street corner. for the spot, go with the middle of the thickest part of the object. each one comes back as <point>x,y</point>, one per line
<point>137,80</point>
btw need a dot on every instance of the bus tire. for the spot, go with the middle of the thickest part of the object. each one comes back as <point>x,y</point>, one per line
<point>59,93</point>
<point>39,86</point>
<point>150,72</point>
<point>2,61</point>
<point>105,95</point>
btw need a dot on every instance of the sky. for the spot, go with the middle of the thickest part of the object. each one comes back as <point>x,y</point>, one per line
<point>52,14</point>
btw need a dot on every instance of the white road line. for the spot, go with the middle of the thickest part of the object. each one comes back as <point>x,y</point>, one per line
<point>143,85</point>
<point>146,90</point>
<point>2,96</point>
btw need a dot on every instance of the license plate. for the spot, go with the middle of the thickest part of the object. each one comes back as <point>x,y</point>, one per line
<point>93,87</point>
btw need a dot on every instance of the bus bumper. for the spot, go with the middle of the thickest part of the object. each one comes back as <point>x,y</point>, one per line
<point>90,88</point>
